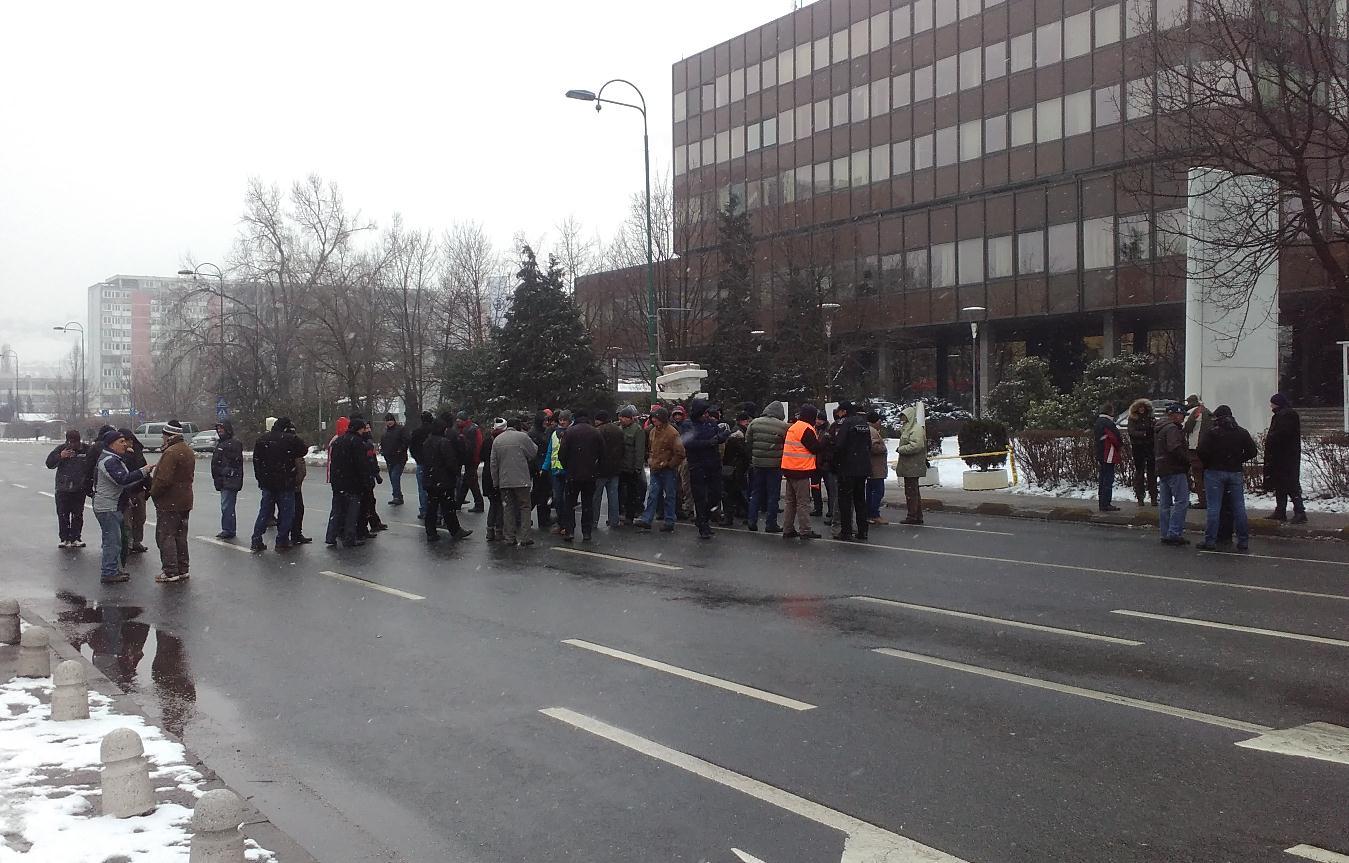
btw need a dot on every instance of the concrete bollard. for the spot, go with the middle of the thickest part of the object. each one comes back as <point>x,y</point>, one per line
<point>70,698</point>
<point>9,621</point>
<point>34,660</point>
<point>126,775</point>
<point>215,828</point>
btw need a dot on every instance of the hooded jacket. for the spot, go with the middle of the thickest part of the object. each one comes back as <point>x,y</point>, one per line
<point>911,453</point>
<point>766,435</point>
<point>70,472</point>
<point>274,457</point>
<point>1226,446</point>
<point>113,480</point>
<point>1142,427</point>
<point>171,486</point>
<point>348,468</point>
<point>419,436</point>
<point>1106,440</point>
<point>634,447</point>
<point>702,437</point>
<point>394,444</point>
<point>1173,450</point>
<point>227,462</point>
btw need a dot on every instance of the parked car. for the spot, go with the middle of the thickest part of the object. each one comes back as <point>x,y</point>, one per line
<point>205,441</point>
<point>152,435</point>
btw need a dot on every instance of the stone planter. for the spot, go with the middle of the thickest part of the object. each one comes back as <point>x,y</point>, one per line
<point>931,480</point>
<point>986,480</point>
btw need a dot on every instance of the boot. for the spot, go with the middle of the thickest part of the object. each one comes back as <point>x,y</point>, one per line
<point>491,534</point>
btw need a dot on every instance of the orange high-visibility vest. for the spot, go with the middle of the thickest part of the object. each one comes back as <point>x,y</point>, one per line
<point>795,456</point>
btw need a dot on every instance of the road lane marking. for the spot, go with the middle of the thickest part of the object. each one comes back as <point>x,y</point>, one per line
<point>863,843</point>
<point>220,542</point>
<point>1002,620</point>
<point>1277,557</point>
<point>16,485</point>
<point>650,563</point>
<point>1213,624</point>
<point>372,585</point>
<point>745,857</point>
<point>1311,852</point>
<point>46,494</point>
<point>944,527</point>
<point>1108,697</point>
<point>728,685</point>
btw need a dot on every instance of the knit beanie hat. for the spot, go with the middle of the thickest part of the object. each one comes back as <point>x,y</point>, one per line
<point>499,424</point>
<point>172,428</point>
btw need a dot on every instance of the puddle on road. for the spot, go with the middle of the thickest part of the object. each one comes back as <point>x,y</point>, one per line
<point>140,658</point>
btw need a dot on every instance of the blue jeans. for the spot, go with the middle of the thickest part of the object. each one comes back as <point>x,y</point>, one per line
<point>284,504</point>
<point>875,494</point>
<point>110,528</point>
<point>607,485</point>
<point>1105,485</point>
<point>421,492</point>
<point>396,478</point>
<point>228,498</point>
<point>562,506</point>
<point>1175,502</point>
<point>664,482</point>
<point>765,487</point>
<point>1216,482</point>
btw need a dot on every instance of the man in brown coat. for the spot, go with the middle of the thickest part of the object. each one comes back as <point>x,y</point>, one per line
<point>171,490</point>
<point>665,452</point>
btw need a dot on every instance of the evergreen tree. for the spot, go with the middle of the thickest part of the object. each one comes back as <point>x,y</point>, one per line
<point>737,368</point>
<point>544,349</point>
<point>800,357</point>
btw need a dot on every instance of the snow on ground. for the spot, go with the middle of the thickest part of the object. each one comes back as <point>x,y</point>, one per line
<point>49,786</point>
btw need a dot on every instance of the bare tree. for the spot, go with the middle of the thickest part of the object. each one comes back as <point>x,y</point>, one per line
<point>1258,89</point>
<point>347,326</point>
<point>580,255</point>
<point>410,299</point>
<point>472,270</point>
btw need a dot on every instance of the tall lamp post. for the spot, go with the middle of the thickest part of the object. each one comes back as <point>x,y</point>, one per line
<point>974,357</point>
<point>600,102</point>
<point>15,357</point>
<point>827,311</point>
<point>220,276</point>
<point>84,384</point>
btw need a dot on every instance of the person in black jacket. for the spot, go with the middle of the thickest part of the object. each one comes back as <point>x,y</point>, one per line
<point>852,461</point>
<point>134,538</point>
<point>1283,460</point>
<point>545,423</point>
<point>703,436</point>
<point>370,522</point>
<point>735,463</point>
<point>70,461</point>
<point>489,489</point>
<point>580,453</point>
<point>1223,450</point>
<point>824,485</point>
<point>415,441</point>
<point>611,467</point>
<point>227,472</point>
<point>348,472</point>
<point>444,459</point>
<point>394,447</point>
<point>274,457</point>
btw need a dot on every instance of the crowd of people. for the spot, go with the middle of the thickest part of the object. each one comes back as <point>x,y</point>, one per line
<point>1191,449</point>
<point>560,470</point>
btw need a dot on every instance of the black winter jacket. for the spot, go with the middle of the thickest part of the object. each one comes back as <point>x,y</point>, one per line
<point>443,462</point>
<point>581,450</point>
<point>416,439</point>
<point>1283,445</point>
<point>395,444</point>
<point>1226,446</point>
<point>852,447</point>
<point>227,462</point>
<point>611,462</point>
<point>348,468</point>
<point>274,457</point>
<point>70,472</point>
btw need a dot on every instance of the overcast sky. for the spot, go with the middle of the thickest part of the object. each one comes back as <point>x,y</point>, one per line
<point>129,130</point>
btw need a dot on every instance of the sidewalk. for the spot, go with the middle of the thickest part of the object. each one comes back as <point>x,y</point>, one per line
<point>49,777</point>
<point>1047,508</point>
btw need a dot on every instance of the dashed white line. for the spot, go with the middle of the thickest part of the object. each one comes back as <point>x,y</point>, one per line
<point>1320,855</point>
<point>46,494</point>
<point>1213,624</point>
<point>720,683</point>
<point>999,620</point>
<point>1277,557</point>
<point>220,542</point>
<point>864,842</point>
<point>633,560</point>
<point>340,576</point>
<point>17,485</point>
<point>1108,697</point>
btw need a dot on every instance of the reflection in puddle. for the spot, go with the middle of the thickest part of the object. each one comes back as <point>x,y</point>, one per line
<point>117,643</point>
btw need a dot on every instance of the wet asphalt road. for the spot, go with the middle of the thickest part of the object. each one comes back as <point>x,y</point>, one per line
<point>376,726</point>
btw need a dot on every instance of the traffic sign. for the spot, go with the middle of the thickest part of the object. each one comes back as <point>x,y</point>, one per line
<point>222,409</point>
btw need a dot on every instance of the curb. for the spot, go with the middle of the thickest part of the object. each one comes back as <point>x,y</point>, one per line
<point>1085,515</point>
<point>256,826</point>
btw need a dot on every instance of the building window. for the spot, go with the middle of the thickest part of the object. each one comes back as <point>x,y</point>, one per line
<point>706,102</point>
<point>1062,248</point>
<point>737,142</point>
<point>995,60</point>
<point>840,113</point>
<point>1022,52</point>
<point>922,15</point>
<point>943,265</point>
<point>751,79</point>
<point>880,163</point>
<point>821,115</point>
<point>861,169</point>
<point>916,269</point>
<point>880,96</point>
<point>922,83</point>
<point>946,76</point>
<point>803,122</point>
<point>1107,25</point>
<point>753,141</point>
<point>1138,16</point>
<point>709,151</point>
<point>1049,120</point>
<point>695,156</point>
<point>971,140</point>
<point>785,131</point>
<point>805,184</point>
<point>842,174</point>
<point>901,21</point>
<point>1098,243</point>
<point>768,72</point>
<point>971,68</point>
<point>1107,105</point>
<point>821,184</point>
<point>724,146</point>
<point>1077,35</point>
<point>1171,225</point>
<point>1139,96</point>
<point>945,12</point>
<point>999,257</point>
<point>737,84</point>
<point>1134,240</point>
<point>971,261</point>
<point>681,103</point>
<point>859,40</point>
<point>995,133</point>
<point>947,142</point>
<point>1049,43</point>
<point>723,90</point>
<point>901,152</point>
<point>1077,113</point>
<point>681,159</point>
<point>901,92</point>
<point>786,66</point>
<point>970,8</point>
<point>803,52</point>
<point>1023,127</point>
<point>838,47</point>
<point>860,108</point>
<point>922,152</point>
<point>1030,252</point>
<point>880,30</point>
<point>1174,13</point>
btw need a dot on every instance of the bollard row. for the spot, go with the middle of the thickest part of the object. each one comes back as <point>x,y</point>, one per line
<point>125,777</point>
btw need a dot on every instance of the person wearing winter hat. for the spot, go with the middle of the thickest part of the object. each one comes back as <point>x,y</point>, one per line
<point>765,436</point>
<point>632,473</point>
<point>510,468</point>
<point>665,454</point>
<point>1174,460</point>
<point>171,490</point>
<point>415,442</point>
<point>393,445</point>
<point>274,455</point>
<point>470,476</point>
<point>798,466</point>
<point>69,459</point>
<point>1224,450</point>
<point>852,461</point>
<point>349,474</point>
<point>1283,460</point>
<point>608,477</point>
<point>489,489</point>
<point>112,481</point>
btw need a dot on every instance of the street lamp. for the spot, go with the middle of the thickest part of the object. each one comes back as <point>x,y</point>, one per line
<point>827,311</point>
<point>600,101</point>
<point>84,384</point>
<point>221,317</point>
<point>974,356</point>
<point>613,352</point>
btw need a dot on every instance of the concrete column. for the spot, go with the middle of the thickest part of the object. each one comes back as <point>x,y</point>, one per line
<point>885,361</point>
<point>1109,335</point>
<point>985,352</point>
